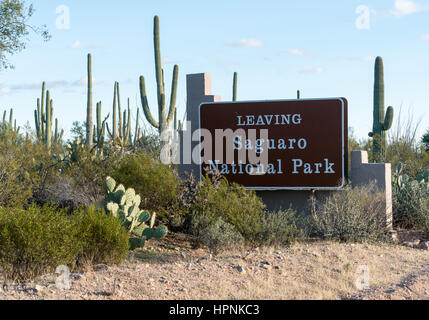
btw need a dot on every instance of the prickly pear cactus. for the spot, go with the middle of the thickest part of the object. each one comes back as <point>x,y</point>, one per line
<point>124,204</point>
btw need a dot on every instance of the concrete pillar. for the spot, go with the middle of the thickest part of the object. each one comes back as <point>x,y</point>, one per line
<point>199,90</point>
<point>380,174</point>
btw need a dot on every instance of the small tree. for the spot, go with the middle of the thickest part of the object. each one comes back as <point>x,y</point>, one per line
<point>14,29</point>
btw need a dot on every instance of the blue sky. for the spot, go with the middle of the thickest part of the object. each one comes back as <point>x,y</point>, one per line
<point>277,47</point>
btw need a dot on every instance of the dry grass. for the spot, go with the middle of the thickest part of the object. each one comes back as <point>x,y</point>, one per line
<point>322,270</point>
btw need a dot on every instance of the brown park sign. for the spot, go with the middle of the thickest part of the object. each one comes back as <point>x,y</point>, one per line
<point>277,145</point>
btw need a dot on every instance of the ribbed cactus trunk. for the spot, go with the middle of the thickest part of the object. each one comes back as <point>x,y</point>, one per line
<point>382,121</point>
<point>115,123</point>
<point>48,129</point>
<point>164,119</point>
<point>42,116</point>
<point>89,123</point>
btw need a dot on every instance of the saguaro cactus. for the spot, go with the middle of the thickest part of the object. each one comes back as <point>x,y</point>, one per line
<point>234,87</point>
<point>164,120</point>
<point>89,124</point>
<point>382,121</point>
<point>43,117</point>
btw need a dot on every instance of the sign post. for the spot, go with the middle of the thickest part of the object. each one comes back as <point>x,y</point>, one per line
<point>277,145</point>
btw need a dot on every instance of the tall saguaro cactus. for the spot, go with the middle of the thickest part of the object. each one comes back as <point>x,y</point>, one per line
<point>89,124</point>
<point>382,121</point>
<point>234,87</point>
<point>164,119</point>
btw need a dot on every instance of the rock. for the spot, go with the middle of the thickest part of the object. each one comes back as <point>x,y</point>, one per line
<point>38,288</point>
<point>412,244</point>
<point>277,267</point>
<point>265,266</point>
<point>240,269</point>
<point>77,276</point>
<point>266,263</point>
<point>183,255</point>
<point>207,257</point>
<point>424,245</point>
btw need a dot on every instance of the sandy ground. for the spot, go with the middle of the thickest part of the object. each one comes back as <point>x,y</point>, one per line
<point>171,270</point>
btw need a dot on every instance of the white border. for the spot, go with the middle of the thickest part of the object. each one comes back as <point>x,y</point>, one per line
<point>286,100</point>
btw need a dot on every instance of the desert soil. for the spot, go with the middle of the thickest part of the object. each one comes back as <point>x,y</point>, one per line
<point>170,269</point>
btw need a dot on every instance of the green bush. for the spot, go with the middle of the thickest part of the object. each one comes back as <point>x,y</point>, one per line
<point>157,184</point>
<point>82,181</point>
<point>19,172</point>
<point>410,202</point>
<point>233,203</point>
<point>105,239</point>
<point>36,241</point>
<point>350,215</point>
<point>279,228</point>
<point>219,236</point>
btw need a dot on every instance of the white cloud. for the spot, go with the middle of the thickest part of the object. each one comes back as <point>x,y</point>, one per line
<point>296,52</point>
<point>245,43</point>
<point>82,82</point>
<point>167,60</point>
<point>37,85</point>
<point>311,70</point>
<point>367,58</point>
<point>79,45</point>
<point>406,7</point>
<point>425,37</point>
<point>76,45</point>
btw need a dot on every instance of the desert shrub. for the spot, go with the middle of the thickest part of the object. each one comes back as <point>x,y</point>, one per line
<point>20,174</point>
<point>156,183</point>
<point>83,176</point>
<point>410,202</point>
<point>404,146</point>
<point>350,215</point>
<point>233,203</point>
<point>279,228</point>
<point>219,236</point>
<point>105,239</point>
<point>36,241</point>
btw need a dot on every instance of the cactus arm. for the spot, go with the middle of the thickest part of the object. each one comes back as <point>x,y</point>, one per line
<point>56,130</point>
<point>109,132</point>
<point>128,134</point>
<point>48,133</point>
<point>173,98</point>
<point>388,120</point>
<point>42,118</point>
<point>145,104</point>
<point>36,121</point>
<point>137,126</point>
<point>99,129</point>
